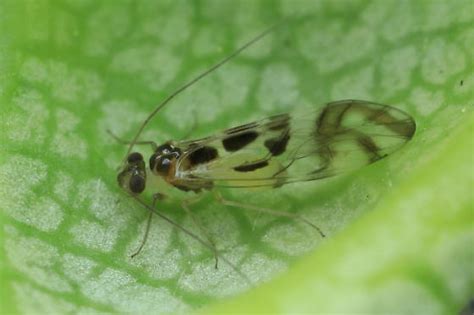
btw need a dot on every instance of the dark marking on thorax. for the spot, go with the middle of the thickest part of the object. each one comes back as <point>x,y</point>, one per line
<point>236,142</point>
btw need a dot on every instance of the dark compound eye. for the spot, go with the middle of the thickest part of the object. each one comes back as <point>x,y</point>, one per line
<point>134,157</point>
<point>137,184</point>
<point>163,165</point>
<point>163,158</point>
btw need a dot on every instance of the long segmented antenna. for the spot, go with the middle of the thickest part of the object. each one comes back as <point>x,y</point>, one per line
<point>193,236</point>
<point>194,80</point>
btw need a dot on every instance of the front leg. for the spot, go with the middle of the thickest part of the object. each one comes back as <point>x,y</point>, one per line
<point>156,197</point>
<point>126,142</point>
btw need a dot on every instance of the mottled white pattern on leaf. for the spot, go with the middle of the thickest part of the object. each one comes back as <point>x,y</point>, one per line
<point>27,122</point>
<point>154,65</point>
<point>121,290</point>
<point>66,141</point>
<point>20,177</point>
<point>35,259</point>
<point>396,69</point>
<point>442,60</point>
<point>288,239</point>
<point>37,301</point>
<point>346,45</point>
<point>354,85</point>
<point>426,102</point>
<point>278,88</point>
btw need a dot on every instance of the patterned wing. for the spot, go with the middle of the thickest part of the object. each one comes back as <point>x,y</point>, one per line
<point>341,137</point>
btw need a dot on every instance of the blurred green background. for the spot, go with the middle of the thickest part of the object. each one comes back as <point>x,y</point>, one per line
<point>400,232</point>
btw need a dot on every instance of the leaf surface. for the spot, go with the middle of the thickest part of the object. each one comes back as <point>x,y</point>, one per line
<point>399,232</point>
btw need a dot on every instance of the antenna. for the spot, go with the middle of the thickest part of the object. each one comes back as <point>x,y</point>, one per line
<point>194,80</point>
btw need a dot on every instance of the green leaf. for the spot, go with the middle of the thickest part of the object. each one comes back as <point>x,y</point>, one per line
<point>400,234</point>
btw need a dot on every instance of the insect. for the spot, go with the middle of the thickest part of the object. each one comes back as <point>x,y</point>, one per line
<point>337,138</point>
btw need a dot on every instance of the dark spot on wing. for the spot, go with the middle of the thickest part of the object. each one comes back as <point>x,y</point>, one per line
<point>236,142</point>
<point>202,155</point>
<point>320,121</point>
<point>277,145</point>
<point>403,127</point>
<point>278,122</point>
<point>249,167</point>
<point>370,147</point>
<point>329,121</point>
<point>341,114</point>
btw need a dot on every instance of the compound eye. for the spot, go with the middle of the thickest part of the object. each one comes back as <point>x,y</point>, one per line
<point>160,163</point>
<point>163,166</point>
<point>137,184</point>
<point>134,157</point>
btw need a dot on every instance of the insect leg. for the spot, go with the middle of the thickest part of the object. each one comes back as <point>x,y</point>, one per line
<point>185,205</point>
<point>234,204</point>
<point>192,236</point>
<point>125,142</point>
<point>156,197</point>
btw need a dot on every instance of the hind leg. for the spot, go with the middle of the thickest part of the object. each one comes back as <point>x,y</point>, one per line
<point>185,205</point>
<point>235,204</point>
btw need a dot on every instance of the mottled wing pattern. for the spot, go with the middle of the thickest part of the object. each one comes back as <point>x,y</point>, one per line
<point>341,137</point>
